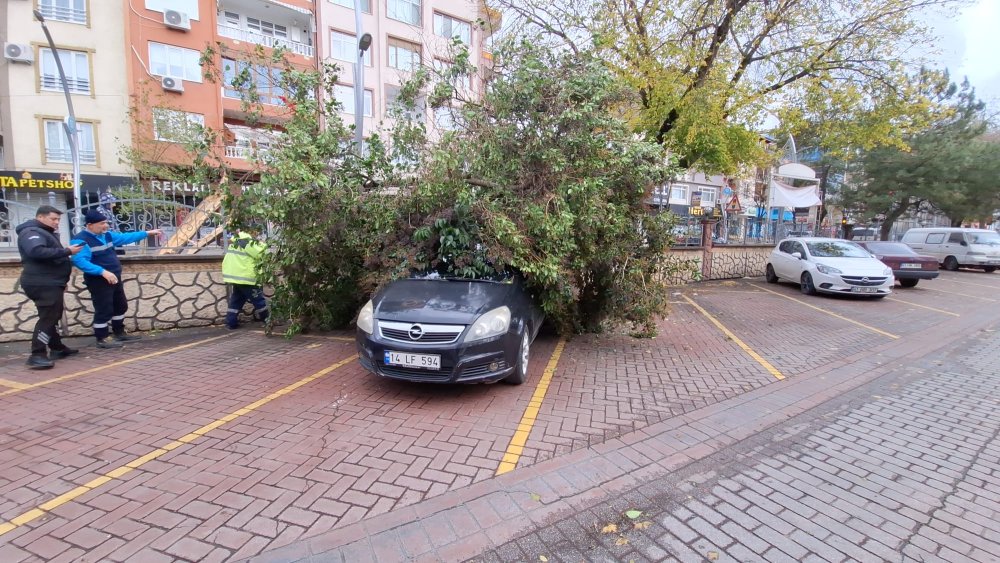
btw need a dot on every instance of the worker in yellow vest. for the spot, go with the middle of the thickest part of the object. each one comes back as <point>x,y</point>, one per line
<point>239,272</point>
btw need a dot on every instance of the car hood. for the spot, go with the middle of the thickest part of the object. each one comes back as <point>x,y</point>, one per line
<point>855,266</point>
<point>439,301</point>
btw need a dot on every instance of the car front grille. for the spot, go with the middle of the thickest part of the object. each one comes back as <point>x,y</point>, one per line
<point>861,281</point>
<point>415,374</point>
<point>426,333</point>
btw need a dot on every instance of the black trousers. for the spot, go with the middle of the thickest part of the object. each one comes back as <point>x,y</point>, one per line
<point>238,297</point>
<point>110,304</point>
<point>48,300</point>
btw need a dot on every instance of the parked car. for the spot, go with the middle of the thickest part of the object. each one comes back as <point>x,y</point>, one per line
<point>957,246</point>
<point>864,233</point>
<point>449,330</point>
<point>829,265</point>
<point>908,267</point>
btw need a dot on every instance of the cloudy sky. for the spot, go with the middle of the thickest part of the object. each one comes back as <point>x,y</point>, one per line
<point>969,45</point>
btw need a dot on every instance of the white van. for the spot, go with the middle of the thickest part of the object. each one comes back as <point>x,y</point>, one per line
<point>956,246</point>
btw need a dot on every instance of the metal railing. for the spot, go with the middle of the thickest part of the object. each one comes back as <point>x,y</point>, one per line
<point>66,155</point>
<point>78,85</point>
<point>63,14</point>
<point>265,40</point>
<point>131,215</point>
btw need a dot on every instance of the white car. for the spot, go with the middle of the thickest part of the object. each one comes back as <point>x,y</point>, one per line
<point>829,265</point>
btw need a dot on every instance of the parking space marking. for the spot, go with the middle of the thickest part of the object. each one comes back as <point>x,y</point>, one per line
<point>760,360</point>
<point>317,336</point>
<point>520,437</point>
<point>25,387</point>
<point>118,472</point>
<point>832,314</point>
<point>961,294</point>
<point>942,311</point>
<point>14,384</point>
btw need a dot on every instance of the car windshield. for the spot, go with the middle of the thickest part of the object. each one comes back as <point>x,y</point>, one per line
<point>897,248</point>
<point>836,249</point>
<point>992,239</point>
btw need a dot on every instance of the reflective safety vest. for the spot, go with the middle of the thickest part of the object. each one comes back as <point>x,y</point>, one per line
<point>240,262</point>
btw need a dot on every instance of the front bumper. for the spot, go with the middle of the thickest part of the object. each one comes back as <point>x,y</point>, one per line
<point>853,285</point>
<point>487,361</point>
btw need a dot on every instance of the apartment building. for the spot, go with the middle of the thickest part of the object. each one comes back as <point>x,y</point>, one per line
<point>406,34</point>
<point>35,157</point>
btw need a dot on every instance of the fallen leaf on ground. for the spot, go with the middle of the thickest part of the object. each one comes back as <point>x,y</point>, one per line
<point>642,525</point>
<point>610,529</point>
<point>633,514</point>
<point>536,497</point>
<point>542,558</point>
<point>713,555</point>
<point>621,541</point>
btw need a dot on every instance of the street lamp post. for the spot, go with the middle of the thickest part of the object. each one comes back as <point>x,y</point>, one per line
<point>69,125</point>
<point>364,41</point>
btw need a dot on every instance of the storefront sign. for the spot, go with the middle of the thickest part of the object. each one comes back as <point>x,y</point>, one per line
<point>23,180</point>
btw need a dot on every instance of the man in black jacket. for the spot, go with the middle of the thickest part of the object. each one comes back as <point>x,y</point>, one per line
<point>45,269</point>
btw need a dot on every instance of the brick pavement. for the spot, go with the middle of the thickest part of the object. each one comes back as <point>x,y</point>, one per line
<point>350,453</point>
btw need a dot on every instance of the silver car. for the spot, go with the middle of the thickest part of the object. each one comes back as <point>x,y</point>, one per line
<point>829,265</point>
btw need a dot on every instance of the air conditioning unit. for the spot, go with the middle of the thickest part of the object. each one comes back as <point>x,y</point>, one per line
<point>172,83</point>
<point>18,53</point>
<point>176,20</point>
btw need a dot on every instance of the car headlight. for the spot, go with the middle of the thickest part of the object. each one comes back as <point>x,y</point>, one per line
<point>366,318</point>
<point>824,269</point>
<point>887,271</point>
<point>490,324</point>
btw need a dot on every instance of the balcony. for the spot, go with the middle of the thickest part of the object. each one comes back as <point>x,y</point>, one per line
<point>265,40</point>
<point>66,155</point>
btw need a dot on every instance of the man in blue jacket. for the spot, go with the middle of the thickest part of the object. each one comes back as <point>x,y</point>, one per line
<point>45,269</point>
<point>102,272</point>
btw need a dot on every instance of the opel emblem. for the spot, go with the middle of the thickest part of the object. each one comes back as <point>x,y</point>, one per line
<point>864,279</point>
<point>416,331</point>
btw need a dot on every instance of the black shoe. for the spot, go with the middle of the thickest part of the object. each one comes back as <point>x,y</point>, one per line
<point>108,343</point>
<point>39,362</point>
<point>63,353</point>
<point>126,337</point>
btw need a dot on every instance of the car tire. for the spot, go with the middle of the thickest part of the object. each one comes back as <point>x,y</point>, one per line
<point>989,269</point>
<point>950,264</point>
<point>806,285</point>
<point>520,373</point>
<point>908,283</point>
<point>769,275</point>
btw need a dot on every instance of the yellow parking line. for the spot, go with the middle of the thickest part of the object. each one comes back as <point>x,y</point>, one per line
<point>961,294</point>
<point>14,384</point>
<point>760,360</point>
<point>520,437</point>
<point>831,313</point>
<point>924,307</point>
<point>118,472</point>
<point>111,365</point>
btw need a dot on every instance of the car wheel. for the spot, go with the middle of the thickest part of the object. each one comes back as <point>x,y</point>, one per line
<point>520,374</point>
<point>989,269</point>
<point>950,263</point>
<point>807,286</point>
<point>769,274</point>
<point>908,283</point>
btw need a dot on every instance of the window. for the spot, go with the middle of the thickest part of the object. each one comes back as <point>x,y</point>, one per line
<point>708,196</point>
<point>444,118</point>
<point>416,113</point>
<point>366,5</point>
<point>177,126</point>
<point>266,81</point>
<point>232,19</point>
<point>57,147</point>
<point>447,26</point>
<point>267,28</point>
<point>344,47</point>
<point>935,238</point>
<point>168,60</point>
<point>462,83</point>
<point>679,192</point>
<point>403,55</point>
<point>73,11</point>
<point>956,238</point>
<point>189,7</point>
<point>75,64</point>
<point>404,10</point>
<point>345,96</point>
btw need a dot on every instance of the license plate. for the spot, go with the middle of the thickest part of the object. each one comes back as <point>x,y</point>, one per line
<point>405,359</point>
<point>864,289</point>
<point>910,266</point>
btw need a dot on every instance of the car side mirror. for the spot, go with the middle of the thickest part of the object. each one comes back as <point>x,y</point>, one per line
<point>963,243</point>
<point>797,255</point>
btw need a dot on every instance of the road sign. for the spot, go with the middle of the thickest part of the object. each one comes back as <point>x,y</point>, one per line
<point>734,205</point>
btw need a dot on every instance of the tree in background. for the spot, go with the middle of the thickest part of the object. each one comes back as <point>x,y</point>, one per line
<point>707,72</point>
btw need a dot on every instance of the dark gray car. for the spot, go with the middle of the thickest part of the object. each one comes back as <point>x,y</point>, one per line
<point>449,330</point>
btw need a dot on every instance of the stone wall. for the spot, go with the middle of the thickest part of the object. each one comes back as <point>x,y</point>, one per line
<point>164,292</point>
